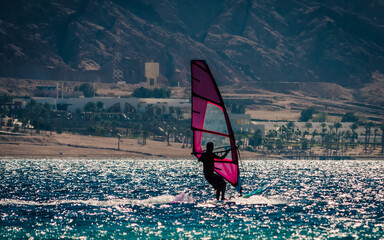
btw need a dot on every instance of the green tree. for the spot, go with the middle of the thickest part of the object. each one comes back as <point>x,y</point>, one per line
<point>308,126</point>
<point>90,107</point>
<point>306,114</point>
<point>374,138</point>
<point>290,130</point>
<point>350,117</point>
<point>38,114</point>
<point>4,99</point>
<point>100,106</point>
<point>368,128</point>
<point>353,128</point>
<point>337,126</point>
<point>31,104</point>
<point>256,139</point>
<point>87,90</point>
<point>348,135</point>
<point>314,133</point>
<point>323,133</point>
<point>10,123</point>
<point>304,144</point>
<point>237,108</point>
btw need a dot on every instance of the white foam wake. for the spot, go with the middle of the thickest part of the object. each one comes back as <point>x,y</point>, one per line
<point>162,199</point>
<point>253,200</point>
<point>262,200</point>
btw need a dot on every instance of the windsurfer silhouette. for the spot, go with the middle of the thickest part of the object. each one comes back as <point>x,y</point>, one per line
<point>214,179</point>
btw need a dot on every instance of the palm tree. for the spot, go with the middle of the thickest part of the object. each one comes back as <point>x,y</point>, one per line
<point>100,106</point>
<point>347,137</point>
<point>353,127</point>
<point>283,133</point>
<point>337,125</point>
<point>330,138</point>
<point>308,126</point>
<point>323,132</point>
<point>374,138</point>
<point>368,127</point>
<point>298,133</point>
<point>314,133</point>
<point>90,107</point>
<point>290,130</point>
<point>341,139</point>
<point>331,127</point>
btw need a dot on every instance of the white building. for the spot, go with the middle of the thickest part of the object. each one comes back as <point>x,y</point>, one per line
<point>152,73</point>
<point>158,106</point>
<point>243,123</point>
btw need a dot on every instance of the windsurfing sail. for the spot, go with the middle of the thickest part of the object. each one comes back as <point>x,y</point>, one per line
<point>210,122</point>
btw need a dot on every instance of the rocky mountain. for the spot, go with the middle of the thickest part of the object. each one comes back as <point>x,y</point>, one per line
<point>244,41</point>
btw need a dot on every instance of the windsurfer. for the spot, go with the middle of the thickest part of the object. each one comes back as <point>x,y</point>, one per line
<point>215,180</point>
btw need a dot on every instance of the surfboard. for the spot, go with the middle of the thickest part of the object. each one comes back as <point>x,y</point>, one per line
<point>256,192</point>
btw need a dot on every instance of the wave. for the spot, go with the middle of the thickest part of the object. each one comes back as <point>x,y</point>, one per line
<point>181,198</point>
<point>162,199</point>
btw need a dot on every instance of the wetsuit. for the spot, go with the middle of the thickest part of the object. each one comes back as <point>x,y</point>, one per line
<point>209,166</point>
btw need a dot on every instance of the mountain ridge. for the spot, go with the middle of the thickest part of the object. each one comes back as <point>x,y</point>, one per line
<point>243,41</point>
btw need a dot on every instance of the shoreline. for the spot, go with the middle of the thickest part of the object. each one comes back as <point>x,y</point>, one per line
<point>67,146</point>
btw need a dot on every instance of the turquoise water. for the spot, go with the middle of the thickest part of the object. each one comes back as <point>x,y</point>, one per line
<point>169,199</point>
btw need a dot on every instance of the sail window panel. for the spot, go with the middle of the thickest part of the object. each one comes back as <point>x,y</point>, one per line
<point>221,144</point>
<point>214,119</point>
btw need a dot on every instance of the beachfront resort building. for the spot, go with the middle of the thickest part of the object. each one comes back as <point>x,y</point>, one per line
<point>242,123</point>
<point>179,108</point>
<point>159,106</point>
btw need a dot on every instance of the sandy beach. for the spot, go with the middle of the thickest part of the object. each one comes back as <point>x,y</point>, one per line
<point>66,145</point>
<point>47,145</point>
<point>78,146</point>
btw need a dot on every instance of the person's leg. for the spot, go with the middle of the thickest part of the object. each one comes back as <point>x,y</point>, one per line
<point>217,194</point>
<point>219,184</point>
<point>222,187</point>
<point>223,193</point>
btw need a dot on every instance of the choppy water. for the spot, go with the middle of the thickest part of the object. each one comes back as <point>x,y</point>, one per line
<point>169,199</point>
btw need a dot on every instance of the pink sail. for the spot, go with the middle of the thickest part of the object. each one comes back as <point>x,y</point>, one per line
<point>210,122</point>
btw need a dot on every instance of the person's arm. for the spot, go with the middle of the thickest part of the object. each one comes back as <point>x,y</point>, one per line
<point>222,157</point>
<point>201,158</point>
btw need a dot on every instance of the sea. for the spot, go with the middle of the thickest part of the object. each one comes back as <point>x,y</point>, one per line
<point>170,199</point>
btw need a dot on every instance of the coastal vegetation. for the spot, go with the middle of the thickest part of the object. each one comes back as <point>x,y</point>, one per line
<point>94,120</point>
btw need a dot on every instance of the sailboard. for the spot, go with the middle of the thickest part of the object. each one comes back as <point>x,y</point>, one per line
<point>256,192</point>
<point>210,123</point>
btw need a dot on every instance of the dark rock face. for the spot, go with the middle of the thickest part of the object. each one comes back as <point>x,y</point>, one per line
<point>242,40</point>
